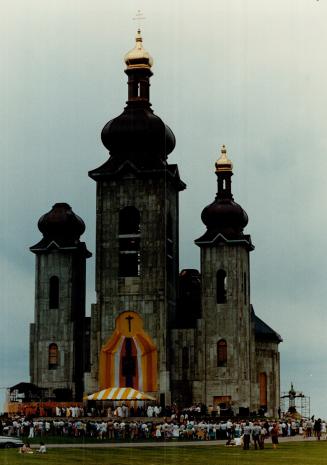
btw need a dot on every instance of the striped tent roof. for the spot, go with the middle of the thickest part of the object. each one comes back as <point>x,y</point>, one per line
<point>119,393</point>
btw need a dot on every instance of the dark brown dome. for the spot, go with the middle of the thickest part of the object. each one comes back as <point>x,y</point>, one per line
<point>61,223</point>
<point>138,135</point>
<point>225,216</point>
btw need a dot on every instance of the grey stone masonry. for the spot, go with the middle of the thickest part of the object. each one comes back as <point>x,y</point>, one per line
<point>268,362</point>
<point>229,321</point>
<point>152,294</point>
<point>62,325</point>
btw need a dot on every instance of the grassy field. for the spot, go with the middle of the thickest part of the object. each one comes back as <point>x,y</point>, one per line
<point>296,453</point>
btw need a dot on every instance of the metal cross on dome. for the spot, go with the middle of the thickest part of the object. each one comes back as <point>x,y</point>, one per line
<point>138,18</point>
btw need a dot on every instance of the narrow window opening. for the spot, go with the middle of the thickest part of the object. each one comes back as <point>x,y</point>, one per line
<point>53,357</point>
<point>129,221</point>
<point>129,242</point>
<point>54,292</point>
<point>221,287</point>
<point>222,353</point>
<point>245,287</point>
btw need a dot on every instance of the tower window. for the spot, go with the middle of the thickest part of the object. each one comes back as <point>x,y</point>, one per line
<point>221,353</point>
<point>245,287</point>
<point>221,287</point>
<point>53,356</point>
<point>129,242</point>
<point>129,221</point>
<point>54,292</point>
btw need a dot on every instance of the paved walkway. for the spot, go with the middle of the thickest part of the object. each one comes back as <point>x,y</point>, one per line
<point>170,443</point>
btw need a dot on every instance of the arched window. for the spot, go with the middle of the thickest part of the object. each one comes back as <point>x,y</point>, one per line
<point>169,246</point>
<point>221,353</point>
<point>129,242</point>
<point>129,221</point>
<point>263,389</point>
<point>221,287</point>
<point>53,356</point>
<point>54,292</point>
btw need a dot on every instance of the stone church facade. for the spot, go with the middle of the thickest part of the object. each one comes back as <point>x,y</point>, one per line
<point>185,337</point>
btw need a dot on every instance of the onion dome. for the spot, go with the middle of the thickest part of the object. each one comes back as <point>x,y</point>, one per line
<point>224,215</point>
<point>138,134</point>
<point>138,57</point>
<point>61,224</point>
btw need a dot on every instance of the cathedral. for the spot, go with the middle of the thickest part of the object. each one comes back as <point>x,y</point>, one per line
<point>184,336</point>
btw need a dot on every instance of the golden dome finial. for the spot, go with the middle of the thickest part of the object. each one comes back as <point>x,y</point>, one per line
<point>223,163</point>
<point>138,57</point>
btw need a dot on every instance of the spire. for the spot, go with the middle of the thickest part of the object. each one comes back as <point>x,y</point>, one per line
<point>137,134</point>
<point>224,173</point>
<point>223,215</point>
<point>138,69</point>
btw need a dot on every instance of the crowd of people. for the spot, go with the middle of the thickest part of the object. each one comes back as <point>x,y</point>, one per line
<point>188,425</point>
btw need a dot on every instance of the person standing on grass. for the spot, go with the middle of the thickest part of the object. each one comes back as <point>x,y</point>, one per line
<point>263,435</point>
<point>246,436</point>
<point>229,432</point>
<point>256,431</point>
<point>317,428</point>
<point>274,435</point>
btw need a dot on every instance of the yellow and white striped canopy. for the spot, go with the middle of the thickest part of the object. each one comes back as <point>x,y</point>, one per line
<point>119,393</point>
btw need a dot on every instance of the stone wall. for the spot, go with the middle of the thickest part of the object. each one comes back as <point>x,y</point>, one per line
<point>229,321</point>
<point>62,326</point>
<point>268,362</point>
<point>152,294</point>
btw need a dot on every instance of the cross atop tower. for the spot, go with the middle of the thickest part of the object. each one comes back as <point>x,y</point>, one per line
<point>138,18</point>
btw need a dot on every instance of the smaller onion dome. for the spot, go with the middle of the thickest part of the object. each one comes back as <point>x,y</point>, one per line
<point>225,216</point>
<point>61,224</point>
<point>223,163</point>
<point>138,57</point>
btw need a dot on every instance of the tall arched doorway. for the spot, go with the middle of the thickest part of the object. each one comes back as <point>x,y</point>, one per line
<point>129,358</point>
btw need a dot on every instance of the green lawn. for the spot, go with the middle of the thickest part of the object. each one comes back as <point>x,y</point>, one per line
<point>296,453</point>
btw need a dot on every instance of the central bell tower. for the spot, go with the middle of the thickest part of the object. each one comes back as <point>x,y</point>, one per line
<point>137,243</point>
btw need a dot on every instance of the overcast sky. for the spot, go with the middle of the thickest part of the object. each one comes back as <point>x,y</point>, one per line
<point>250,74</point>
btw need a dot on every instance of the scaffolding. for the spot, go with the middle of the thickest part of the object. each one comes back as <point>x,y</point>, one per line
<point>293,402</point>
